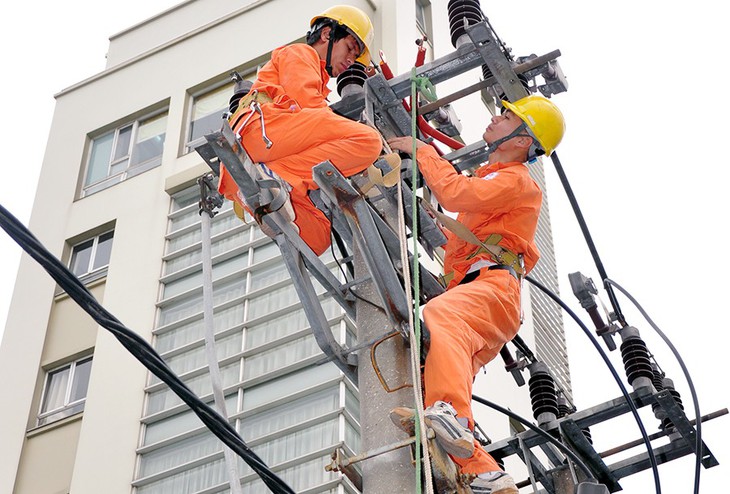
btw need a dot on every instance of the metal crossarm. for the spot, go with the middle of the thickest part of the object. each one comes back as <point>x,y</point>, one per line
<point>570,429</point>
<point>681,423</point>
<point>296,253</point>
<point>574,437</point>
<point>501,69</point>
<point>429,234</point>
<point>365,236</point>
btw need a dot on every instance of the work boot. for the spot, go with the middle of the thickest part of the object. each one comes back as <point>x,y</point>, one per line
<point>405,419</point>
<point>454,437</point>
<point>494,483</point>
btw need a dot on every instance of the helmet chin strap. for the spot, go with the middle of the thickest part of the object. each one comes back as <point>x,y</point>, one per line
<point>534,150</point>
<point>328,61</point>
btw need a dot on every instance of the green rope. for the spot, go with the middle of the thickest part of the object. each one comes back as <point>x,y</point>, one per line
<point>414,274</point>
<point>425,88</point>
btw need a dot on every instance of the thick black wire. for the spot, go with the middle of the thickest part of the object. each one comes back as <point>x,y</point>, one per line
<point>587,235</point>
<point>629,401</point>
<point>540,432</point>
<point>695,402</point>
<point>138,347</point>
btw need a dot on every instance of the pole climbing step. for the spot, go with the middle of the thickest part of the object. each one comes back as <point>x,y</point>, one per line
<point>446,476</point>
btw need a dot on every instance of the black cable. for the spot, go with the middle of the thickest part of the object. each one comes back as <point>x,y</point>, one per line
<point>695,402</point>
<point>343,250</point>
<point>522,346</point>
<point>587,236</point>
<point>540,432</point>
<point>138,347</point>
<point>629,401</point>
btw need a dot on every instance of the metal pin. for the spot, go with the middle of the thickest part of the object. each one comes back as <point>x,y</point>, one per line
<point>266,139</point>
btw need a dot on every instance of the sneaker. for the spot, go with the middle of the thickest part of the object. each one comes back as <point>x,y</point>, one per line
<point>454,437</point>
<point>405,419</point>
<point>494,483</point>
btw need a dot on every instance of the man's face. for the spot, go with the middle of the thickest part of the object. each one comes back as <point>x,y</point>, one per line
<point>501,126</point>
<point>344,53</point>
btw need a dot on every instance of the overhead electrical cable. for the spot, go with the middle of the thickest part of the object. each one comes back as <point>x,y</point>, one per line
<point>138,347</point>
<point>587,235</point>
<point>540,432</point>
<point>612,369</point>
<point>690,384</point>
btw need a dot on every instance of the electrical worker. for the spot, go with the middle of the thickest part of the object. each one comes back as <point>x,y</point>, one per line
<point>480,310</point>
<point>291,91</point>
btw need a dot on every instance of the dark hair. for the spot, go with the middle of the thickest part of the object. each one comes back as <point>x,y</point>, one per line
<point>338,32</point>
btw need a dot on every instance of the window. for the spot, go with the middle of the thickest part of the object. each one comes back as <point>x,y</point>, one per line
<point>279,397</point>
<point>64,391</point>
<point>207,113</point>
<point>125,152</point>
<point>423,19</point>
<point>92,255</point>
<point>208,109</point>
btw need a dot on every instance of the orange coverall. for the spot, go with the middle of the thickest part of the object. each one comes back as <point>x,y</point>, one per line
<point>470,323</point>
<point>305,132</point>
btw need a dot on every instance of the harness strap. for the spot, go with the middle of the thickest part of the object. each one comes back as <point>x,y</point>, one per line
<point>490,245</point>
<point>244,106</point>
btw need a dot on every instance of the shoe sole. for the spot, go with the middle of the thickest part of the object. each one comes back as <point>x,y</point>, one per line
<point>404,421</point>
<point>449,438</point>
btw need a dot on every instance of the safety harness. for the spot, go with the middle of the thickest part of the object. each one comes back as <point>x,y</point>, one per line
<point>274,194</point>
<point>502,258</point>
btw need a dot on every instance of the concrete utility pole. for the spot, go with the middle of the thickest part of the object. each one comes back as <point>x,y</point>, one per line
<point>391,472</point>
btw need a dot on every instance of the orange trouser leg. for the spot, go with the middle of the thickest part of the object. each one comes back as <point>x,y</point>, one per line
<point>305,138</point>
<point>314,227</point>
<point>468,325</point>
<point>302,140</point>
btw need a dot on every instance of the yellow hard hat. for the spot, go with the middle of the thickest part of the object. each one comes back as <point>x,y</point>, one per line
<point>354,20</point>
<point>542,117</point>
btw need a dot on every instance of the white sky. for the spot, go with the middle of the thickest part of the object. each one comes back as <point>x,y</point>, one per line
<point>644,153</point>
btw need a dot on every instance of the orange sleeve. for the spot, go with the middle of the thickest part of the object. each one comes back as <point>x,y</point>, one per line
<point>301,75</point>
<point>497,192</point>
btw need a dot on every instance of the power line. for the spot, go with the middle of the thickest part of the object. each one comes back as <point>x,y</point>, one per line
<point>138,347</point>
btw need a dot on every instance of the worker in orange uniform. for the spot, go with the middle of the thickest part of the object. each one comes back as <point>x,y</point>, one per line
<point>295,129</point>
<point>480,310</point>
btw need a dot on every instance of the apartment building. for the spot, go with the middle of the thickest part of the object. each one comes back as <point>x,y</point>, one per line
<point>120,177</point>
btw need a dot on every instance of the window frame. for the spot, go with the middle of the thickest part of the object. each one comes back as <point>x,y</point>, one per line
<point>44,417</point>
<point>110,179</point>
<point>92,274</point>
<point>248,74</point>
<point>425,25</point>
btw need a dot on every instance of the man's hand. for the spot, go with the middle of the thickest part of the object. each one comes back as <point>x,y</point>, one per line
<point>404,144</point>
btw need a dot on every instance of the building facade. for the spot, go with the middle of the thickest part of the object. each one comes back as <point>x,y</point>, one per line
<point>120,174</point>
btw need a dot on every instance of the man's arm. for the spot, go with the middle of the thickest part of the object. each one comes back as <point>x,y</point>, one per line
<point>300,75</point>
<point>458,193</point>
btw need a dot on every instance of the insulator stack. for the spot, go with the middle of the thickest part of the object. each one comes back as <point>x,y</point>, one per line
<point>462,13</point>
<point>658,381</point>
<point>657,377</point>
<point>543,394</point>
<point>351,80</point>
<point>564,409</point>
<point>669,386</point>
<point>636,358</point>
<point>587,434</point>
<point>240,89</point>
<point>502,96</point>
